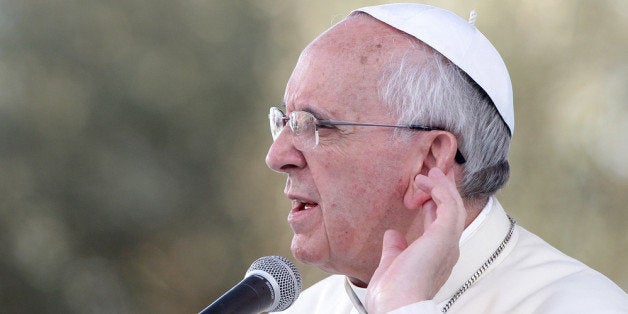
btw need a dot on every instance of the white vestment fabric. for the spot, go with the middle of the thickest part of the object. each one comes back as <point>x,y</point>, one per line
<point>529,276</point>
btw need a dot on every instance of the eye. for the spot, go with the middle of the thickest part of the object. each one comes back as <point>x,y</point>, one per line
<point>302,122</point>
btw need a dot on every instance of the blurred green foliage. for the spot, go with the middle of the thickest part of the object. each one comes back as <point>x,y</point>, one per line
<point>133,136</point>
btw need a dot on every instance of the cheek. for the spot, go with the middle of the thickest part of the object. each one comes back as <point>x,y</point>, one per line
<point>359,183</point>
<point>360,194</point>
<point>359,207</point>
<point>344,233</point>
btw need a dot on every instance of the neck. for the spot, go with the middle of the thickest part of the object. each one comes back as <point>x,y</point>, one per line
<point>473,207</point>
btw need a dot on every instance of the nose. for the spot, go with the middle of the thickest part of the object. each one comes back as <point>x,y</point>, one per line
<point>282,155</point>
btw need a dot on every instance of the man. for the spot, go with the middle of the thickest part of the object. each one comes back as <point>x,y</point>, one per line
<point>399,123</point>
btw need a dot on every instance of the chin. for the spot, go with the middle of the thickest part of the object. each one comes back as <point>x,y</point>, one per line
<point>309,256</point>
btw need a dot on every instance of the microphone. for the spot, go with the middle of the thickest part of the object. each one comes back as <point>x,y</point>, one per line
<point>272,283</point>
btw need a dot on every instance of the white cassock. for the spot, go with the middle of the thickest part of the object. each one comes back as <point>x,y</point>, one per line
<point>528,276</point>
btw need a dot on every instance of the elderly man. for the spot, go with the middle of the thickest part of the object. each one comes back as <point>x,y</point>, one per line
<point>399,123</point>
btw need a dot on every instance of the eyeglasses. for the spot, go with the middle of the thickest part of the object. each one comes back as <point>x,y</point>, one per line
<point>305,125</point>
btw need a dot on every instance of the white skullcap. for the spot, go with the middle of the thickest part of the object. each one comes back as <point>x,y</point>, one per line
<point>457,40</point>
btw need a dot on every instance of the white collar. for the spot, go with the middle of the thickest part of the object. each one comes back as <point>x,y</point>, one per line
<point>475,224</point>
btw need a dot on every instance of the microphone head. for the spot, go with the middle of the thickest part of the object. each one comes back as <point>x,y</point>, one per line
<point>285,274</point>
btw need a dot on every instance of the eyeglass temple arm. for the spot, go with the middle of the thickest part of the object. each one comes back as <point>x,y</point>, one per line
<point>413,127</point>
<point>459,158</point>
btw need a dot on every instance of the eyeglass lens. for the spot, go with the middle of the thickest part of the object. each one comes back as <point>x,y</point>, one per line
<point>277,121</point>
<point>302,124</point>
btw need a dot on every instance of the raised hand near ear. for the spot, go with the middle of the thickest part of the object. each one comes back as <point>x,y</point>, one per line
<point>411,273</point>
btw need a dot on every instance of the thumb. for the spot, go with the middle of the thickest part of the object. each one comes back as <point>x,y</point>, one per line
<point>394,243</point>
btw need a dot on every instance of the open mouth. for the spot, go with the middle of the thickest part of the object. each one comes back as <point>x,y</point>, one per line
<point>299,205</point>
<point>304,215</point>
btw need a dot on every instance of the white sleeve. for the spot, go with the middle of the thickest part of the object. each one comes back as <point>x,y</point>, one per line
<point>427,307</point>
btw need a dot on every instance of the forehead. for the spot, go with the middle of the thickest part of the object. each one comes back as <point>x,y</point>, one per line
<point>341,70</point>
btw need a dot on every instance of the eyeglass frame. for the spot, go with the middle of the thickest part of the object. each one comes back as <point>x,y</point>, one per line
<point>459,158</point>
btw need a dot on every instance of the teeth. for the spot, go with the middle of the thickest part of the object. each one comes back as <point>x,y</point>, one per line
<point>304,205</point>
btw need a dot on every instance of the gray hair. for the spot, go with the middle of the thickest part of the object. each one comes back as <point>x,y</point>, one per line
<point>423,87</point>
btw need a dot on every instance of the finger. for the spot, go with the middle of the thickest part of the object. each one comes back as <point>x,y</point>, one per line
<point>424,183</point>
<point>429,214</point>
<point>446,184</point>
<point>450,211</point>
<point>437,179</point>
<point>438,187</point>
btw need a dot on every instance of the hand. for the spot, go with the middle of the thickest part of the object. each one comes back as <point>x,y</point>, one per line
<point>411,273</point>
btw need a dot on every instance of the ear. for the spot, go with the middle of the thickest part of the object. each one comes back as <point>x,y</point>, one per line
<point>440,152</point>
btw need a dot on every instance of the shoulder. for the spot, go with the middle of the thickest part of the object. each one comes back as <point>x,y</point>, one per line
<point>556,282</point>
